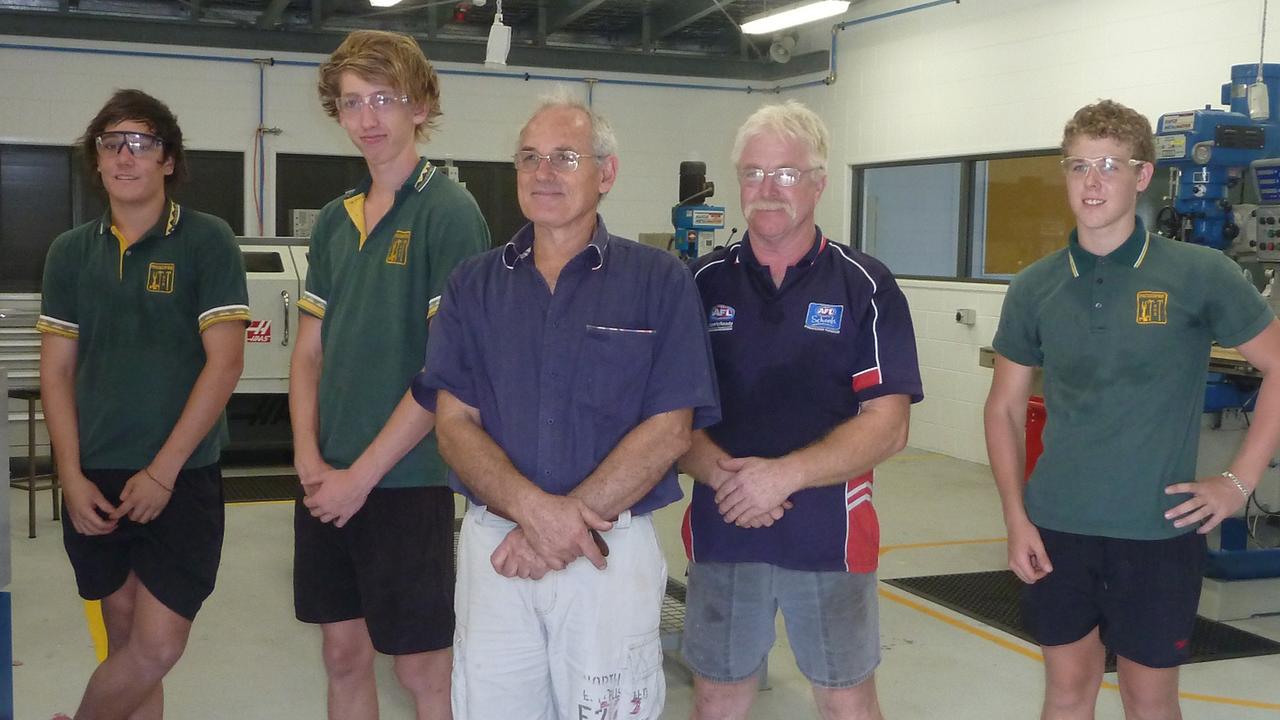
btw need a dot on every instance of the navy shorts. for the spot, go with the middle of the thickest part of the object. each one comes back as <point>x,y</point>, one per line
<point>1141,594</point>
<point>175,556</point>
<point>391,564</point>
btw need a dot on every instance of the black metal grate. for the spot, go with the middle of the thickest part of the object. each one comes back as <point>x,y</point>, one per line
<point>259,488</point>
<point>671,618</point>
<point>993,598</point>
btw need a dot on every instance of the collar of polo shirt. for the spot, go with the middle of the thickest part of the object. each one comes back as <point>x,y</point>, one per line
<point>1131,252</point>
<point>166,225</point>
<point>521,246</point>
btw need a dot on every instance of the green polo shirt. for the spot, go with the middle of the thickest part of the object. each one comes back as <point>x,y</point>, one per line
<point>137,313</point>
<point>374,293</point>
<point>1124,342</point>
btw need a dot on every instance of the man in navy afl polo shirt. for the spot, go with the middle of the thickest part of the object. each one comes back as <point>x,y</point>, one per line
<point>817,370</point>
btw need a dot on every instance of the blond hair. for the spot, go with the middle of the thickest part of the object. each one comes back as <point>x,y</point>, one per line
<point>380,56</point>
<point>791,120</point>
<point>1108,119</point>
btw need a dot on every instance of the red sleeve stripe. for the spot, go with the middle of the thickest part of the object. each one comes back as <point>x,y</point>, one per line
<point>866,379</point>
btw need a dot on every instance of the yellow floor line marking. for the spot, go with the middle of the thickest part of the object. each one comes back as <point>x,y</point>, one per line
<point>97,629</point>
<point>260,502</point>
<point>991,637</point>
<point>922,456</point>
<point>945,543</point>
<point>1035,654</point>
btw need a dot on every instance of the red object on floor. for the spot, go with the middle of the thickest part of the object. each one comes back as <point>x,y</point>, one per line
<point>1036,416</point>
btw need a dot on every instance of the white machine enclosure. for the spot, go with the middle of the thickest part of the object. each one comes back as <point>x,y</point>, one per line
<point>276,269</point>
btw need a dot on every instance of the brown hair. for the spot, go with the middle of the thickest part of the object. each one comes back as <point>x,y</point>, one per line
<point>135,105</point>
<point>394,58</point>
<point>1110,119</point>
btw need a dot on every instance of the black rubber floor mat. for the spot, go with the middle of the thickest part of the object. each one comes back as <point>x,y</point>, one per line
<point>993,598</point>
<point>259,488</point>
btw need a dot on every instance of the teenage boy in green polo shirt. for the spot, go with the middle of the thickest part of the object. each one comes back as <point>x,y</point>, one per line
<point>373,553</point>
<point>1121,321</point>
<point>143,315</point>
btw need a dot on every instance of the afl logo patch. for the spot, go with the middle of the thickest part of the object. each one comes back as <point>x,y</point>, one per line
<point>824,317</point>
<point>720,318</point>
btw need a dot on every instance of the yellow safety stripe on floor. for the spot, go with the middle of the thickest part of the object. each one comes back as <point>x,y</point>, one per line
<point>1035,654</point>
<point>945,543</point>
<point>97,629</point>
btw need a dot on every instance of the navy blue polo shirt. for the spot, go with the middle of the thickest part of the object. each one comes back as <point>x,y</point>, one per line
<point>793,362</point>
<point>559,379</point>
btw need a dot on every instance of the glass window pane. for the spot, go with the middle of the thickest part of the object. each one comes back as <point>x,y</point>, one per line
<point>1020,213</point>
<point>911,218</point>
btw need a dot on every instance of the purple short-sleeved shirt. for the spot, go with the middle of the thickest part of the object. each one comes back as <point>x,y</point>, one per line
<point>559,379</point>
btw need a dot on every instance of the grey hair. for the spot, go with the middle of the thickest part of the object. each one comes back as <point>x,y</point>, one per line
<point>603,141</point>
<point>791,120</point>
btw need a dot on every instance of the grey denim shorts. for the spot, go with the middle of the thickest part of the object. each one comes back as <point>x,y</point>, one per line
<point>832,621</point>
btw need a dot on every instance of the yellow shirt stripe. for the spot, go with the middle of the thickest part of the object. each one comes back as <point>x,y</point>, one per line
<point>355,211</point>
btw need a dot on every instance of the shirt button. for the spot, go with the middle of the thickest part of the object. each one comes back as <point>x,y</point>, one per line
<point>1099,281</point>
<point>1097,306</point>
<point>128,252</point>
<point>551,421</point>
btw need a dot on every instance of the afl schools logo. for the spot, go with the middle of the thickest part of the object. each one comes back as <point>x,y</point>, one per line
<point>720,318</point>
<point>824,317</point>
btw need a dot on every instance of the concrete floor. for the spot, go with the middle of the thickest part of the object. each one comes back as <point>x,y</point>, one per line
<point>248,657</point>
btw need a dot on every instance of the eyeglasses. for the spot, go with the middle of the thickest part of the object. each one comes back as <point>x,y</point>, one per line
<point>562,160</point>
<point>139,143</point>
<point>379,101</point>
<point>783,176</point>
<point>1107,166</point>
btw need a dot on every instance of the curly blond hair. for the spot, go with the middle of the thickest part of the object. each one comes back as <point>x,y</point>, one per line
<point>380,56</point>
<point>1109,119</point>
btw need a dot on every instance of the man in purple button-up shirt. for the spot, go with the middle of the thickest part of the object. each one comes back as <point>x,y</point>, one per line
<point>571,366</point>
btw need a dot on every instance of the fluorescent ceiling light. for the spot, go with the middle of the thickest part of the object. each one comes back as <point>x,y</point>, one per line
<point>792,15</point>
<point>384,3</point>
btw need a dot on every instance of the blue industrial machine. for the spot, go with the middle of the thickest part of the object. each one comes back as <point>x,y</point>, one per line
<point>695,222</point>
<point>1210,150</point>
<point>1211,153</point>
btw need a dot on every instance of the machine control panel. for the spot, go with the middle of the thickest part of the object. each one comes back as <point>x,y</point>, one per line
<point>1266,223</point>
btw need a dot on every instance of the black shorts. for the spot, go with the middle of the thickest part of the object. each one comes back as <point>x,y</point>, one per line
<point>1140,594</point>
<point>392,564</point>
<point>176,555</point>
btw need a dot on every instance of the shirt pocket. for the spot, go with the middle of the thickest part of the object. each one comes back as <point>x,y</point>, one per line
<point>617,361</point>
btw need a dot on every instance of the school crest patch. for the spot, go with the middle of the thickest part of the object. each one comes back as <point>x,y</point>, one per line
<point>1153,307</point>
<point>160,277</point>
<point>399,252</point>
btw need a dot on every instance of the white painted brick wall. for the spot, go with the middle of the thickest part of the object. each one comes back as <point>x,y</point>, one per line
<point>978,77</point>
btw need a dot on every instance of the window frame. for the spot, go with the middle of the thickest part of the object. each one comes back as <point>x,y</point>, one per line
<point>967,244</point>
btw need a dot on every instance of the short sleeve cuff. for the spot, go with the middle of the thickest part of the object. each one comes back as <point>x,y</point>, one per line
<point>224,313</point>
<point>312,304</point>
<point>1018,355</point>
<point>424,394</point>
<point>53,326</point>
<point>1250,331</point>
